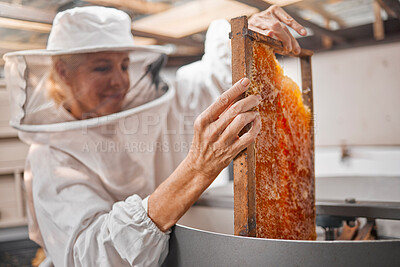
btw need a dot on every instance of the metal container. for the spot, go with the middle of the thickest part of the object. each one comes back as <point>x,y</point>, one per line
<point>204,237</point>
<point>193,247</point>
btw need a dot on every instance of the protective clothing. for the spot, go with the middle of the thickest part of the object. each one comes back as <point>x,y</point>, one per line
<point>85,179</point>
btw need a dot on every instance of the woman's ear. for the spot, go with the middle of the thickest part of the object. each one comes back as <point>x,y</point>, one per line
<point>62,71</point>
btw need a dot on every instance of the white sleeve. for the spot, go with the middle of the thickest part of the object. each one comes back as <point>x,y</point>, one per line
<point>199,84</point>
<point>81,224</point>
<point>123,236</point>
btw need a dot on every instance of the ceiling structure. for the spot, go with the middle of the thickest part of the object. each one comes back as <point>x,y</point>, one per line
<point>331,24</point>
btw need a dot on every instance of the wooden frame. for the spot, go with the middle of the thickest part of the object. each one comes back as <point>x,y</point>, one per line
<point>244,164</point>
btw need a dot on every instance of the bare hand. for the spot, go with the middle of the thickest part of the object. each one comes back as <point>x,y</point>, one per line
<point>216,141</point>
<point>215,144</point>
<point>271,22</point>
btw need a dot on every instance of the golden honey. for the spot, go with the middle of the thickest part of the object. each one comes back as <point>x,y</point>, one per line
<point>285,200</point>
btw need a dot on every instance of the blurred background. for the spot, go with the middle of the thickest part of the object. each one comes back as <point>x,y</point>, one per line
<point>356,78</point>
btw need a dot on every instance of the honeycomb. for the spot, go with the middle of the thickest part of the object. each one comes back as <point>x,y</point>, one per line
<point>285,200</point>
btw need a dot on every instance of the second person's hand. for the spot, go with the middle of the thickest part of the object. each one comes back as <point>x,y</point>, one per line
<point>271,22</point>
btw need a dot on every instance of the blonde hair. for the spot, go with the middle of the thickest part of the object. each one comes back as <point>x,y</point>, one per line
<point>56,88</point>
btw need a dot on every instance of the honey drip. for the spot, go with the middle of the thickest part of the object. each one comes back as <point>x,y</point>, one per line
<point>285,200</point>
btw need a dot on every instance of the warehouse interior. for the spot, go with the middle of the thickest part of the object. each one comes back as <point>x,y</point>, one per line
<point>356,81</point>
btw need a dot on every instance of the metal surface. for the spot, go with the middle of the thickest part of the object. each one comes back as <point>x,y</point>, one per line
<point>191,247</point>
<point>368,209</point>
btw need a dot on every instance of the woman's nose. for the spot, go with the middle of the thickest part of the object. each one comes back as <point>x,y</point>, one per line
<point>118,79</point>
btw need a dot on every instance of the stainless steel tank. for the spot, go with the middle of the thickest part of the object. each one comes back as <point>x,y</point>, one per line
<point>193,247</point>
<point>203,239</point>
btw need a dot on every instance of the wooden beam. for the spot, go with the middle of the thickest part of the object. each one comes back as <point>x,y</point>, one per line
<point>177,61</point>
<point>316,28</point>
<point>326,40</point>
<point>190,18</point>
<point>182,50</point>
<point>358,36</point>
<point>318,8</point>
<point>24,25</point>
<point>292,12</point>
<point>144,41</point>
<point>26,13</point>
<point>167,39</point>
<point>16,46</point>
<point>142,38</point>
<point>391,7</point>
<point>282,2</point>
<point>139,6</point>
<point>379,31</point>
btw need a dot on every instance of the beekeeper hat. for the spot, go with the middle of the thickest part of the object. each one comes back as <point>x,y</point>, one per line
<point>90,29</point>
<point>76,31</point>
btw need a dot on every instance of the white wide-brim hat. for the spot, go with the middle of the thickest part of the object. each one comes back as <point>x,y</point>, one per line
<point>90,29</point>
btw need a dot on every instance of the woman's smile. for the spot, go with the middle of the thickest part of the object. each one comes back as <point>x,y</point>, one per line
<point>113,95</point>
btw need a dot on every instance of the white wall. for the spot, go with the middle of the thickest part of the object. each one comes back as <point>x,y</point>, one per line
<point>357,96</point>
<point>357,103</point>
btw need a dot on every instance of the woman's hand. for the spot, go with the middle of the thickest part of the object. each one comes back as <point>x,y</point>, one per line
<point>216,138</point>
<point>215,144</point>
<point>271,22</point>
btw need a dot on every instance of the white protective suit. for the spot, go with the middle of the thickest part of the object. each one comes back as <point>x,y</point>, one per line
<point>85,179</point>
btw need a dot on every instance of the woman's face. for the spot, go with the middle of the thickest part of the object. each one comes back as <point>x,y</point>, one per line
<point>98,84</point>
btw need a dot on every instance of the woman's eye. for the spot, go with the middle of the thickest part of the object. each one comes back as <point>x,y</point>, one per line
<point>124,67</point>
<point>102,69</point>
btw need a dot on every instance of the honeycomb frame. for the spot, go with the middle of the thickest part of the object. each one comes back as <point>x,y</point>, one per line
<point>246,211</point>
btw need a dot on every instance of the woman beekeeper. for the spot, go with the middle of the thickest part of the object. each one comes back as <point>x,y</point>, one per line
<point>111,166</point>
